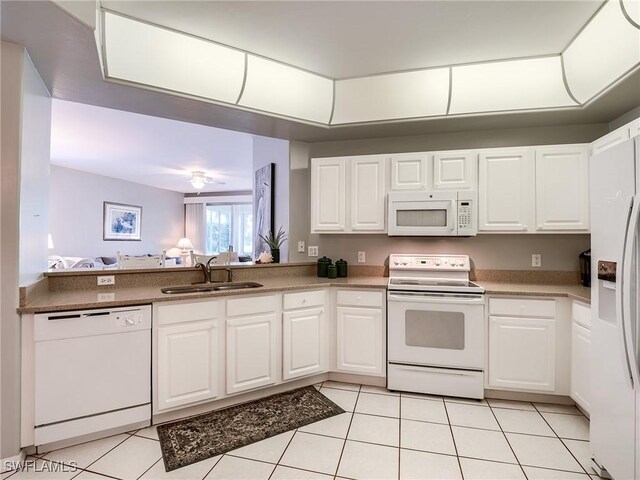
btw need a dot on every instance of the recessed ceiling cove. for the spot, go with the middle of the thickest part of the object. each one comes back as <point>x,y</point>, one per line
<point>605,50</point>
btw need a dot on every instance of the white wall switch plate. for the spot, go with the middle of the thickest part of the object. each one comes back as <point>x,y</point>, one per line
<point>301,246</point>
<point>361,257</point>
<point>107,280</point>
<point>536,260</point>
<point>313,252</point>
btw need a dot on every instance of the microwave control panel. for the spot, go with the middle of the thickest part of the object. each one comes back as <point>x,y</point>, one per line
<point>464,214</point>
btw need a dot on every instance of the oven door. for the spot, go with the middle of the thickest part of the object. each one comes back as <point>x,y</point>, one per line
<point>421,213</point>
<point>445,330</point>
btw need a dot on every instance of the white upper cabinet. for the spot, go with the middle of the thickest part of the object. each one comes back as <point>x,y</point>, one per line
<point>368,194</point>
<point>328,194</point>
<point>409,171</point>
<point>610,139</point>
<point>505,190</point>
<point>348,194</point>
<point>634,128</point>
<point>455,170</point>
<point>562,188</point>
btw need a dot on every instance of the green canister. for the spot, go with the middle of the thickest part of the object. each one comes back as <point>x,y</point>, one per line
<point>323,263</point>
<point>341,265</point>
<point>332,271</point>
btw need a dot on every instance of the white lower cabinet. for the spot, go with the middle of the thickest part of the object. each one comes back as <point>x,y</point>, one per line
<point>581,356</point>
<point>252,343</point>
<point>522,347</point>
<point>304,334</point>
<point>360,339</point>
<point>189,357</point>
<point>522,353</point>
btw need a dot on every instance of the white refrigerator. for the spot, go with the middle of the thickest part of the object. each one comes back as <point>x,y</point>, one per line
<point>615,384</point>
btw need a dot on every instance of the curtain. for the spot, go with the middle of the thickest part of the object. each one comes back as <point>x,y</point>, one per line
<point>194,225</point>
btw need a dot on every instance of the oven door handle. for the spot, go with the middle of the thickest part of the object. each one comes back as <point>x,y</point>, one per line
<point>419,297</point>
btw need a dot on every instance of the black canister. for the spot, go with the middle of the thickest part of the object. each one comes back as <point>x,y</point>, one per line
<point>332,271</point>
<point>585,268</point>
<point>341,265</point>
<point>323,263</point>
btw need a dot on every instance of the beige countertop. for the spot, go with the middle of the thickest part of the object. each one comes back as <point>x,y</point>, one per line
<point>50,301</point>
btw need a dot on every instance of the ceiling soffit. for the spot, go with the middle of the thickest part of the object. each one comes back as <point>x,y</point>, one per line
<point>606,50</point>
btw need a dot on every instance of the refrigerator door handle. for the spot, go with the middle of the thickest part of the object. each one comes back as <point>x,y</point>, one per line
<point>626,293</point>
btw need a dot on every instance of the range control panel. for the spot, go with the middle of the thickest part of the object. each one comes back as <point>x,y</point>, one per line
<point>429,262</point>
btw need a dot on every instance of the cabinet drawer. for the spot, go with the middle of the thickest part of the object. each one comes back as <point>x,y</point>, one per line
<point>359,298</point>
<point>291,301</point>
<point>521,307</point>
<point>581,314</point>
<point>187,312</point>
<point>251,305</point>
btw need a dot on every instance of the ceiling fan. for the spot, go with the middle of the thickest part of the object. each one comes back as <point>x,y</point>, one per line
<point>199,180</point>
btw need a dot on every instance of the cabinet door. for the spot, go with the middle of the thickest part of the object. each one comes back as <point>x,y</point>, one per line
<point>328,194</point>
<point>580,366</point>
<point>522,353</point>
<point>409,171</point>
<point>562,188</point>
<point>304,344</point>
<point>505,190</point>
<point>609,140</point>
<point>251,352</point>
<point>359,339</point>
<point>188,363</point>
<point>368,195</point>
<point>454,170</point>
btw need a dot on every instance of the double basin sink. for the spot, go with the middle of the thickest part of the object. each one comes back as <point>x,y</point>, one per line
<point>210,287</point>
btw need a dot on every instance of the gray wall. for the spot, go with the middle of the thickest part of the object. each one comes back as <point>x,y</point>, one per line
<point>76,206</point>
<point>25,119</point>
<point>270,150</point>
<point>625,118</point>
<point>559,252</point>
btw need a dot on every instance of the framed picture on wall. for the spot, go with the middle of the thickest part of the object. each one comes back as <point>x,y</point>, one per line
<point>262,207</point>
<point>121,222</point>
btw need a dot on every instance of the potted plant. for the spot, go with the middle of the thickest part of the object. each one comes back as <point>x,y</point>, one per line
<point>275,242</point>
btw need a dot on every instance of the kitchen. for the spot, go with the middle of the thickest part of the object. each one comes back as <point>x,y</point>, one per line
<point>488,252</point>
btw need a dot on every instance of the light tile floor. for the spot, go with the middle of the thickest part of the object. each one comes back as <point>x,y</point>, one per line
<point>382,435</point>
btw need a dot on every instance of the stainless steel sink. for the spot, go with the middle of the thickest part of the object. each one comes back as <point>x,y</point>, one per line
<point>209,287</point>
<point>236,285</point>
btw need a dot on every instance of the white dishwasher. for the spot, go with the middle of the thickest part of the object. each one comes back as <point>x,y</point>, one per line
<point>92,372</point>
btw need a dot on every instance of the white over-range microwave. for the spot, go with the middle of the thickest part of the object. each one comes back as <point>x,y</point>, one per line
<point>425,213</point>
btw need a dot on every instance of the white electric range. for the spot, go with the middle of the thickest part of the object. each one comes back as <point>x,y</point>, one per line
<point>436,326</point>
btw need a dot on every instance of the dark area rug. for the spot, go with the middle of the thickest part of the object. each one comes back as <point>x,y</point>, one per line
<point>204,436</point>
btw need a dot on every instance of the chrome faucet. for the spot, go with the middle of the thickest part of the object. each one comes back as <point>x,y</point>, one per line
<point>205,271</point>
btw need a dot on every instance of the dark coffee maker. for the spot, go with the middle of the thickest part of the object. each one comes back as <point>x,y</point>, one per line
<point>585,268</point>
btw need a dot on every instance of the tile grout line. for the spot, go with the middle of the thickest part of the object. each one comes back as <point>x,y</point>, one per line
<point>347,434</point>
<point>285,449</point>
<point>399,434</point>
<point>453,439</point>
<point>152,465</point>
<point>507,440</point>
<point>558,436</point>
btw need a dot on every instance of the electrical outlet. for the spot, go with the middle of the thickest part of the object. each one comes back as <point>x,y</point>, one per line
<point>361,257</point>
<point>301,246</point>
<point>313,252</point>
<point>536,260</point>
<point>106,297</point>
<point>107,280</point>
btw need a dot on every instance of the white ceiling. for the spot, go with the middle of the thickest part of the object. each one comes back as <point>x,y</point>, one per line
<point>64,51</point>
<point>148,150</point>
<point>354,38</point>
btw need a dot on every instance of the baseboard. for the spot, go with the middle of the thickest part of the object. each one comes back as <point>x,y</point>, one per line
<point>355,378</point>
<point>528,397</point>
<point>9,463</point>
